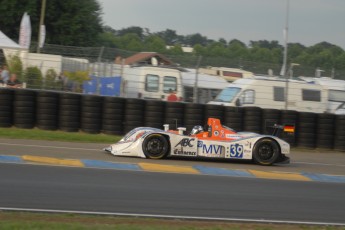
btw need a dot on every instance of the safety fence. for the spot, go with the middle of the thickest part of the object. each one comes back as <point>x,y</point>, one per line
<point>71,112</point>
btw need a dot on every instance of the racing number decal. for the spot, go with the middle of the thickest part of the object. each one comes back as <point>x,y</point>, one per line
<point>236,151</point>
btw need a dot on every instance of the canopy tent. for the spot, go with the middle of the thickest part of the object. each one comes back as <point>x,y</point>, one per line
<point>7,43</point>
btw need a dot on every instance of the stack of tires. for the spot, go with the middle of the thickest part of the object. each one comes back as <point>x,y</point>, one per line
<point>252,118</point>
<point>233,117</point>
<point>174,114</point>
<point>339,137</point>
<point>306,132</point>
<point>154,114</point>
<point>69,112</point>
<point>24,109</point>
<point>6,110</point>
<point>289,117</point>
<point>91,113</point>
<point>214,111</point>
<point>325,130</point>
<point>134,114</point>
<point>193,115</point>
<point>270,117</point>
<point>113,115</point>
<point>47,104</point>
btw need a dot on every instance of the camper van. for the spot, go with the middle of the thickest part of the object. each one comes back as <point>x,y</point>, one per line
<point>150,82</point>
<point>209,86</point>
<point>269,92</point>
<point>228,74</point>
<point>336,92</point>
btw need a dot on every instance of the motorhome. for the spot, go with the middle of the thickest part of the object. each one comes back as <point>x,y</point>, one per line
<point>336,92</point>
<point>151,82</point>
<point>270,92</point>
<point>228,74</point>
<point>209,86</point>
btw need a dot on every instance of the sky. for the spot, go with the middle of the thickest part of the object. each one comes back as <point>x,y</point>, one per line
<point>310,21</point>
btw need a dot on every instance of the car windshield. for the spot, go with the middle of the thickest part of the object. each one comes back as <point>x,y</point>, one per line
<point>228,94</point>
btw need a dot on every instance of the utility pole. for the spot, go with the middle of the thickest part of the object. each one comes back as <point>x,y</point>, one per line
<point>195,91</point>
<point>284,72</point>
<point>43,12</point>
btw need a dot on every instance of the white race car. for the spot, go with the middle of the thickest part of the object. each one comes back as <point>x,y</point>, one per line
<point>217,141</point>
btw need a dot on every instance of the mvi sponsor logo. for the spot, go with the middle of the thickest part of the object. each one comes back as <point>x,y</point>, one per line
<point>211,149</point>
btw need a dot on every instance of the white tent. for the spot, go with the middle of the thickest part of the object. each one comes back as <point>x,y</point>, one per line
<point>7,43</point>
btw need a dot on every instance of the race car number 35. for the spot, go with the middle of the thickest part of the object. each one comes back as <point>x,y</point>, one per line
<point>236,151</point>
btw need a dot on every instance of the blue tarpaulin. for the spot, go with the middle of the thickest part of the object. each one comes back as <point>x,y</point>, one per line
<point>108,86</point>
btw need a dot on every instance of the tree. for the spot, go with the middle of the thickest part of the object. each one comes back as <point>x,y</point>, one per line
<point>132,30</point>
<point>169,36</point>
<point>155,44</point>
<point>72,22</point>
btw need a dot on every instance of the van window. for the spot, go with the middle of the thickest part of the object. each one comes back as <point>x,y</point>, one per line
<point>152,83</point>
<point>311,95</point>
<point>169,83</point>
<point>228,94</point>
<point>248,97</point>
<point>336,95</point>
<point>278,93</point>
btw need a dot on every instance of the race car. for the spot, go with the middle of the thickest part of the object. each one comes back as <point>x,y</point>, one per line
<point>213,141</point>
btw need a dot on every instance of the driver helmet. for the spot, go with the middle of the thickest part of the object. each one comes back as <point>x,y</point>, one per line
<point>196,129</point>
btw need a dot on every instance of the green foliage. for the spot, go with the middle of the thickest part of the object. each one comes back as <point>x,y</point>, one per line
<point>51,80</point>
<point>67,22</point>
<point>15,65</point>
<point>78,77</point>
<point>33,77</point>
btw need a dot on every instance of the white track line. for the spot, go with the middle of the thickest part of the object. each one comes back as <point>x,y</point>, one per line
<point>47,146</point>
<point>171,216</point>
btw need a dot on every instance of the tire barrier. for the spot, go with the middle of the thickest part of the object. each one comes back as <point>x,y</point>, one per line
<point>339,137</point>
<point>174,114</point>
<point>6,107</point>
<point>325,130</point>
<point>193,115</point>
<point>47,104</point>
<point>113,115</point>
<point>154,114</point>
<point>252,118</point>
<point>91,114</point>
<point>69,112</point>
<point>270,117</point>
<point>134,114</point>
<point>233,118</point>
<point>24,110</point>
<point>216,111</point>
<point>306,133</point>
<point>289,117</point>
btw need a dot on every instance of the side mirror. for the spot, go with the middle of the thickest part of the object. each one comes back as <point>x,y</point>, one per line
<point>238,102</point>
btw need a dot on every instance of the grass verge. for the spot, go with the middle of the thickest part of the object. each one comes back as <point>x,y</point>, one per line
<point>37,221</point>
<point>37,134</point>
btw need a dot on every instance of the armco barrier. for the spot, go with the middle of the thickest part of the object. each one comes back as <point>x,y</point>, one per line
<point>113,115</point>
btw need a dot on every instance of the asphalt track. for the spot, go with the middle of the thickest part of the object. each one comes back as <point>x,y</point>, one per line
<point>96,190</point>
<point>320,161</point>
<point>26,186</point>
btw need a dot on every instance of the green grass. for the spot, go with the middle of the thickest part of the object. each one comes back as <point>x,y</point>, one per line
<point>37,134</point>
<point>38,221</point>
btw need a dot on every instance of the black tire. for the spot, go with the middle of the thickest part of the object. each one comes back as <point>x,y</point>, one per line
<point>266,151</point>
<point>155,146</point>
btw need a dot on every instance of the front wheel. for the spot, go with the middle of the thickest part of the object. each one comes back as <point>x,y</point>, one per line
<point>155,146</point>
<point>266,151</point>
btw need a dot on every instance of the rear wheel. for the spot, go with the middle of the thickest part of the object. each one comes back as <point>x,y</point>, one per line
<point>155,146</point>
<point>266,151</point>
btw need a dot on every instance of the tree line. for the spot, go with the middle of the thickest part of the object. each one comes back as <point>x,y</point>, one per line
<point>79,23</point>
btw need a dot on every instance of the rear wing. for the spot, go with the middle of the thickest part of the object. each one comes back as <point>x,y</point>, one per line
<point>285,128</point>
